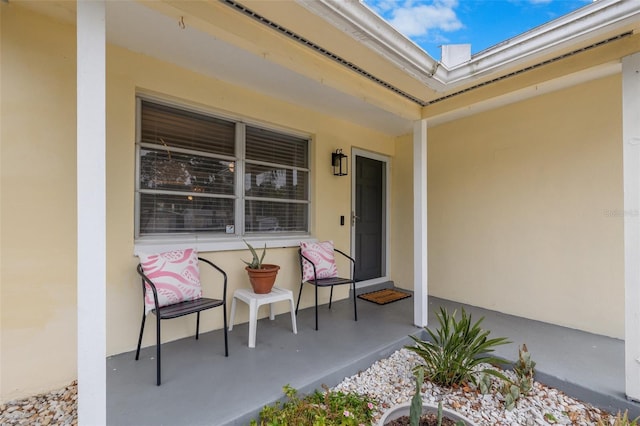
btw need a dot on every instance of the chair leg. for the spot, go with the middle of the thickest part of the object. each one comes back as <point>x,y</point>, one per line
<point>316,307</point>
<point>197,325</point>
<point>299,296</point>
<point>355,309</point>
<point>330,297</point>
<point>158,350</point>
<point>144,317</point>
<point>226,344</point>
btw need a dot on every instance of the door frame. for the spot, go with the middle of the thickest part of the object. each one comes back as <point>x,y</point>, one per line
<point>386,187</point>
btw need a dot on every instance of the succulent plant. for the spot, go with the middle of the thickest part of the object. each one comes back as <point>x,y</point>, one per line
<point>256,262</point>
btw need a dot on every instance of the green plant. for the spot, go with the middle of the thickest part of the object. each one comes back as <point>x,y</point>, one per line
<point>620,420</point>
<point>525,370</point>
<point>415,410</point>
<point>523,384</point>
<point>456,349</point>
<point>328,408</point>
<point>256,262</point>
<point>511,394</point>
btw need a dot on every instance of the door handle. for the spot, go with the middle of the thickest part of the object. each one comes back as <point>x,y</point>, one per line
<point>354,217</point>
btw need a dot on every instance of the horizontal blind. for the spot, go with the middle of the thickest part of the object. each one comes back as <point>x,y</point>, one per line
<point>161,169</point>
<point>173,127</point>
<point>272,147</point>
<point>187,175</point>
<point>169,214</point>
<point>276,182</point>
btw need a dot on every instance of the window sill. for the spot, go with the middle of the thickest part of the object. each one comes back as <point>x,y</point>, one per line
<point>203,245</point>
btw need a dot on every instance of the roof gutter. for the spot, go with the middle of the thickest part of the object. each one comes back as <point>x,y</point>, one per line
<point>360,22</point>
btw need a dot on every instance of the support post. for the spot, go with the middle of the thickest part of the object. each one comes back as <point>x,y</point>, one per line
<point>631,174</point>
<point>420,273</point>
<point>91,210</point>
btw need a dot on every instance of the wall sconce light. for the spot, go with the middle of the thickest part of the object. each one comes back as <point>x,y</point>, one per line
<point>339,162</point>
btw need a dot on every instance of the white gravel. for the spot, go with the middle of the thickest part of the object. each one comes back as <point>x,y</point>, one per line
<point>390,381</point>
<point>54,408</point>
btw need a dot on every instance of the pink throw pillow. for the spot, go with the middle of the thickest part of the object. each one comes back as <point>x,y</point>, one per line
<point>175,275</point>
<point>321,254</point>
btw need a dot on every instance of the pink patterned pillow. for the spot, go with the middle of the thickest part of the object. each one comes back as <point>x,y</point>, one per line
<point>321,254</point>
<point>175,275</point>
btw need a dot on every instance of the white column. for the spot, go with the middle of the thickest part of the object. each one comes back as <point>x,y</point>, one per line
<point>91,194</point>
<point>420,302</point>
<point>631,167</point>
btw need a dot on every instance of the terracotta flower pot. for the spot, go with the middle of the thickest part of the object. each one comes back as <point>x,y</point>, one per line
<point>262,280</point>
<point>404,410</point>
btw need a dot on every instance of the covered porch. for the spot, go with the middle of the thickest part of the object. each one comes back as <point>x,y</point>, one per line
<point>201,386</point>
<point>530,150</point>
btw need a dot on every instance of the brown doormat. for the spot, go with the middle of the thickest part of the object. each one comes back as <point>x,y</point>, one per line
<point>382,297</point>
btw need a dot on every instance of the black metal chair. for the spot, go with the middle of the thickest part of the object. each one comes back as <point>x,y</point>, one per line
<point>180,309</point>
<point>327,282</point>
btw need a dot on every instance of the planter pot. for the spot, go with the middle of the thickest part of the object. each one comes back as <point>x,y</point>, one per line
<point>404,409</point>
<point>262,280</point>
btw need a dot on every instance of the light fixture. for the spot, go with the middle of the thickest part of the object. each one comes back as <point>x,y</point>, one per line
<point>339,163</point>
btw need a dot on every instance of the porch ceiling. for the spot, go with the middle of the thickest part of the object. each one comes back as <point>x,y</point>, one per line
<point>339,58</point>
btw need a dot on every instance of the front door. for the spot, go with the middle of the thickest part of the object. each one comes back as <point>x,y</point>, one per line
<point>368,218</point>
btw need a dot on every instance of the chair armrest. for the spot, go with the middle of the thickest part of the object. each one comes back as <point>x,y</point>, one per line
<point>144,290</point>
<point>313,265</point>
<point>224,276</point>
<point>353,263</point>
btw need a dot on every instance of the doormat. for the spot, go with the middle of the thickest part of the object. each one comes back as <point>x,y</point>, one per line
<point>382,297</point>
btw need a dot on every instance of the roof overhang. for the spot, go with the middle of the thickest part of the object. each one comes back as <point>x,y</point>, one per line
<point>340,58</point>
<point>599,19</point>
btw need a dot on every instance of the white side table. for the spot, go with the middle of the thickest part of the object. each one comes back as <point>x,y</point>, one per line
<point>255,301</point>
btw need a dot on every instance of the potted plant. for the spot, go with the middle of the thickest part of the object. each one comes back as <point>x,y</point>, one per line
<point>417,413</point>
<point>261,275</point>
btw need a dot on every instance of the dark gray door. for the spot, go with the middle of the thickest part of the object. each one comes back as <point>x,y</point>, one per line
<point>369,218</point>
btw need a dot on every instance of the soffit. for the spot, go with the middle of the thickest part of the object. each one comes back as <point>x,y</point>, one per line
<point>219,41</point>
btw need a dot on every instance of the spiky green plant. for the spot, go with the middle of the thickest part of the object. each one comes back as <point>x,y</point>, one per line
<point>525,370</point>
<point>415,410</point>
<point>256,262</point>
<point>456,349</point>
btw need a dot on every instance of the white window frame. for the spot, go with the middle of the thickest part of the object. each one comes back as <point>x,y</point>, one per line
<point>212,241</point>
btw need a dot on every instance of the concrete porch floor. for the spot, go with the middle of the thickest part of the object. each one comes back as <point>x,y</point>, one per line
<point>202,387</point>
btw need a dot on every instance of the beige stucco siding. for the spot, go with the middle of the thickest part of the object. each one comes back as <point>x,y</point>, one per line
<point>525,209</point>
<point>524,202</point>
<point>39,205</point>
<point>130,73</point>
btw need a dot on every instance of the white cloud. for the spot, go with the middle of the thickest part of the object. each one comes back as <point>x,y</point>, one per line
<point>417,18</point>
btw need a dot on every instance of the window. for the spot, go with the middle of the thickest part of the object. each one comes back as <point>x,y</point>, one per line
<point>188,167</point>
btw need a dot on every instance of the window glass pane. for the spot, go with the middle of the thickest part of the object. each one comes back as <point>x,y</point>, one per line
<point>162,169</point>
<point>270,216</point>
<point>163,213</point>
<point>164,125</point>
<point>271,182</point>
<point>272,147</point>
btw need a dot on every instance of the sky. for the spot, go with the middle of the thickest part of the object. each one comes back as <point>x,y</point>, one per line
<point>481,23</point>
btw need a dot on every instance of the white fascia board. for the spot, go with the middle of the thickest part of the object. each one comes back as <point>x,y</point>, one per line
<point>588,21</point>
<point>364,25</point>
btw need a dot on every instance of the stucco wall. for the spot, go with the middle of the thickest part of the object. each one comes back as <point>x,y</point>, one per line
<point>402,213</point>
<point>525,208</point>
<point>38,195</point>
<point>129,72</point>
<point>38,204</point>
